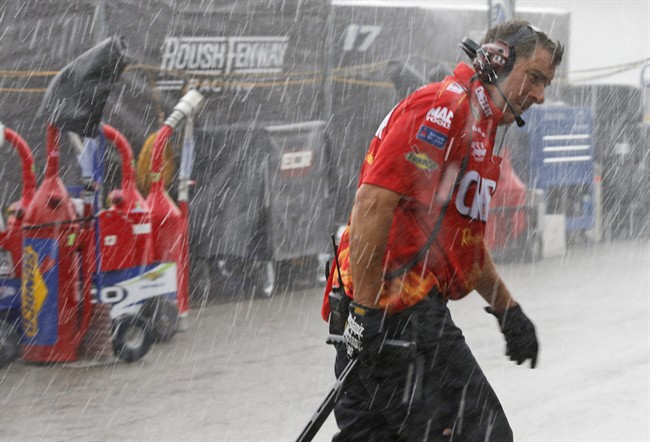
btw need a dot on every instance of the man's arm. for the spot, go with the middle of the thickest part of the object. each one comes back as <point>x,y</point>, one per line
<point>491,287</point>
<point>519,332</point>
<point>372,217</point>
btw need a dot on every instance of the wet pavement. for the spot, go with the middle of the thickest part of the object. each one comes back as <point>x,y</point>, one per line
<point>256,369</point>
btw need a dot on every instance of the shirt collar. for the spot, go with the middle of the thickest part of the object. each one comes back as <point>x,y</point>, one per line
<point>479,97</point>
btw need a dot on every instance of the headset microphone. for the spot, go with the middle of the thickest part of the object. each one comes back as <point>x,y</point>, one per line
<point>490,60</point>
<point>520,121</point>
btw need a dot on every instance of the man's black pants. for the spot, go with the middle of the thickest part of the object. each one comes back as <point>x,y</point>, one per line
<point>440,395</point>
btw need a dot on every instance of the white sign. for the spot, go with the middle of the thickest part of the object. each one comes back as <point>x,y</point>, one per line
<point>219,56</point>
<point>296,160</point>
<point>126,296</point>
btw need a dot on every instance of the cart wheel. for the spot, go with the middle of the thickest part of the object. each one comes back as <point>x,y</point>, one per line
<point>162,315</point>
<point>132,338</point>
<point>263,278</point>
<point>9,348</point>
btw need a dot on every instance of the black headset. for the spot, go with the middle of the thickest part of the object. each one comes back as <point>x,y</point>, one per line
<point>497,58</point>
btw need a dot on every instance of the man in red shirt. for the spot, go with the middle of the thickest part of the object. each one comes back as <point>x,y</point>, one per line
<point>415,241</point>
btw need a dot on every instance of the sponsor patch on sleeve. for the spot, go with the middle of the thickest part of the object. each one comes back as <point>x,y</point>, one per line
<point>421,160</point>
<point>431,136</point>
<point>455,87</point>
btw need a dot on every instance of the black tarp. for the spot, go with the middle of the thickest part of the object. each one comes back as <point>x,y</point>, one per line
<point>263,193</point>
<point>76,96</point>
<point>298,191</point>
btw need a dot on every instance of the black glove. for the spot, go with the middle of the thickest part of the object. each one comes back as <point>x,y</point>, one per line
<point>362,330</point>
<point>521,341</point>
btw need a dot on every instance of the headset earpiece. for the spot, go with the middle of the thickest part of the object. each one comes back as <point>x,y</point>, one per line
<point>490,60</point>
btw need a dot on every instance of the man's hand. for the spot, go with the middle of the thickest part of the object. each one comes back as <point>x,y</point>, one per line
<point>521,341</point>
<point>363,328</point>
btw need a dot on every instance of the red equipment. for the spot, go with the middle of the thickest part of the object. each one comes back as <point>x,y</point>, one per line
<point>54,249</point>
<point>170,224</point>
<point>126,225</point>
<point>507,224</point>
<point>12,239</point>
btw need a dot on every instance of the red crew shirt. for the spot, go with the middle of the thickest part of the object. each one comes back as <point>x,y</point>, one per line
<point>418,153</point>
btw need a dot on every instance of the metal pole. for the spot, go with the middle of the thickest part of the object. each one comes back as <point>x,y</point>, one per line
<point>645,88</point>
<point>489,14</point>
<point>100,20</point>
<point>511,9</point>
<point>328,89</point>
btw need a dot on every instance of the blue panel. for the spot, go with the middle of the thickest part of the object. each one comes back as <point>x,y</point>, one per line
<point>561,146</point>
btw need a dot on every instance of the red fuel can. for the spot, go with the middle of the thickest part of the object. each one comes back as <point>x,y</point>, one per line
<point>51,282</point>
<point>126,236</point>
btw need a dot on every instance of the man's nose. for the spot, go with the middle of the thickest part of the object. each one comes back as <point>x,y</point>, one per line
<point>537,93</point>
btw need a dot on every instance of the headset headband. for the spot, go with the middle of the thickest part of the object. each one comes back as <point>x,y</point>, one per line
<point>524,33</point>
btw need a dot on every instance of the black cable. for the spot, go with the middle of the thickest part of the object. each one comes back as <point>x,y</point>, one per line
<point>520,121</point>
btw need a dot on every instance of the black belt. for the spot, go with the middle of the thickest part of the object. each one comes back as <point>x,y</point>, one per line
<point>437,296</point>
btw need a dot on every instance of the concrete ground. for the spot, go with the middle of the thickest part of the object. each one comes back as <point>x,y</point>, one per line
<point>257,369</point>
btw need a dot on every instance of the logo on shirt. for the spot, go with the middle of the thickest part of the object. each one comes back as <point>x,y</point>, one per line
<point>470,239</point>
<point>480,191</point>
<point>456,88</point>
<point>478,150</point>
<point>440,116</point>
<point>483,101</point>
<point>421,160</point>
<point>431,137</point>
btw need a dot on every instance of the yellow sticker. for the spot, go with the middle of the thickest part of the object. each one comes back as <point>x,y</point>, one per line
<point>422,161</point>
<point>34,291</point>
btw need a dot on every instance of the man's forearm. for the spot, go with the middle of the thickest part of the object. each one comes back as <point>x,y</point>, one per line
<point>492,288</point>
<point>370,224</point>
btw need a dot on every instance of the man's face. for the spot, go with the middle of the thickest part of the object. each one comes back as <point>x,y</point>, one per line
<point>525,84</point>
